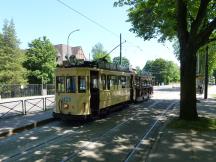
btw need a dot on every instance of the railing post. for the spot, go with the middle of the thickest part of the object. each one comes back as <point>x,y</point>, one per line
<point>45,103</point>
<point>23,109</point>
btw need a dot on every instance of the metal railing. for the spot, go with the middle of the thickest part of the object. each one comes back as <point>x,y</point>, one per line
<point>16,90</point>
<point>26,106</point>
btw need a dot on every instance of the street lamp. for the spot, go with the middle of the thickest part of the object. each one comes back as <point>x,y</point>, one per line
<point>68,40</point>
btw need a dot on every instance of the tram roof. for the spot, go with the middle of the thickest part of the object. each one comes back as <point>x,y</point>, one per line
<point>99,65</point>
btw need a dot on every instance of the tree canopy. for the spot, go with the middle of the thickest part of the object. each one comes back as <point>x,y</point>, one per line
<point>158,18</point>
<point>163,71</point>
<point>40,61</point>
<point>11,69</point>
<point>138,70</point>
<point>192,22</point>
<point>98,53</point>
<point>124,62</point>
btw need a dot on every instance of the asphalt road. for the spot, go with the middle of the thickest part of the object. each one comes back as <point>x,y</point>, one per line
<point>126,135</point>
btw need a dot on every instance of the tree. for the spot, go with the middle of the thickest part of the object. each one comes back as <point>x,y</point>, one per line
<point>173,72</point>
<point>138,70</point>
<point>98,53</point>
<point>40,61</point>
<point>124,62</point>
<point>163,71</point>
<point>192,22</point>
<point>11,69</point>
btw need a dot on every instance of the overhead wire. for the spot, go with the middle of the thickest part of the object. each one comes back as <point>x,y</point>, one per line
<point>86,17</point>
<point>95,22</point>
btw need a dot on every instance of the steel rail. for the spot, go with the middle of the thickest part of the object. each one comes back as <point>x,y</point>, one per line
<point>96,139</point>
<point>147,133</point>
<point>71,134</point>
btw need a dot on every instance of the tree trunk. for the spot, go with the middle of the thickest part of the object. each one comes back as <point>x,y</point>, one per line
<point>188,110</point>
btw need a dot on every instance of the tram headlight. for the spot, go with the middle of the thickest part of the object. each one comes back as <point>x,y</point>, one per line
<point>66,106</point>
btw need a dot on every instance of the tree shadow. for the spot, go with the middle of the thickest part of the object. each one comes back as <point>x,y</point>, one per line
<point>106,139</point>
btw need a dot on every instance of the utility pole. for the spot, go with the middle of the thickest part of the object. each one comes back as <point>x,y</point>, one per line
<point>120,61</point>
<point>206,74</point>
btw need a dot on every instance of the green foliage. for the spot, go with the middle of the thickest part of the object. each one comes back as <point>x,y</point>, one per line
<point>138,70</point>
<point>9,34</point>
<point>201,124</point>
<point>201,57</point>
<point>153,18</point>
<point>40,61</point>
<point>99,53</point>
<point>164,71</point>
<point>11,69</point>
<point>211,58</point>
<point>124,61</point>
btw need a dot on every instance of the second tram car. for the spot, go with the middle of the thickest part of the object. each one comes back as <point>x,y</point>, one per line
<point>89,90</point>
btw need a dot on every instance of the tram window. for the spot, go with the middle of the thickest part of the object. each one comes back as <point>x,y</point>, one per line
<point>103,80</point>
<point>94,83</point>
<point>60,84</point>
<point>70,84</point>
<point>81,84</point>
<point>114,80</point>
<point>128,82</point>
<point>123,80</point>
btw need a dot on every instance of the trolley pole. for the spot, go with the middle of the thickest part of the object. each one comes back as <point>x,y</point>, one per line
<point>206,74</point>
<point>120,61</point>
<point>68,41</point>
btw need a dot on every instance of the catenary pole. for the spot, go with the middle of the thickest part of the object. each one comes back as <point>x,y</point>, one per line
<point>206,74</point>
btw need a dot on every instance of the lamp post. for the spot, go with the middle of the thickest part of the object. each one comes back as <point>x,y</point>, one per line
<point>68,40</point>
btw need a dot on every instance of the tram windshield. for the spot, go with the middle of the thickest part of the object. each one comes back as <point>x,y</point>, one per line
<point>60,84</point>
<point>66,84</point>
<point>82,84</point>
<point>70,84</point>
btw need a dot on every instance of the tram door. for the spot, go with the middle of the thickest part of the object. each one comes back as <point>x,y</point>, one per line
<point>94,90</point>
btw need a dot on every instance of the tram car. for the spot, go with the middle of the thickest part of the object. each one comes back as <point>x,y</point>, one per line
<point>91,89</point>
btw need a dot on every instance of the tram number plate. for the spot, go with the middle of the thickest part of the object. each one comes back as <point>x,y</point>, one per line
<point>66,99</point>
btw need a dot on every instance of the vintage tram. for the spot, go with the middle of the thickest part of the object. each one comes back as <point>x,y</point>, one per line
<point>90,89</point>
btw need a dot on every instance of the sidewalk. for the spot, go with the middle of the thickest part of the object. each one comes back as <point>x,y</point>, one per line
<point>12,125</point>
<point>178,145</point>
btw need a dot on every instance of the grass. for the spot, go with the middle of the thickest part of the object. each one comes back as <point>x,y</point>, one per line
<point>201,124</point>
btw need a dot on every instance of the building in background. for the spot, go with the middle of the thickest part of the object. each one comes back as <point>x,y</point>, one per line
<point>62,52</point>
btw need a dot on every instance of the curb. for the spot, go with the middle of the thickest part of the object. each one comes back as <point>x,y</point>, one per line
<point>26,127</point>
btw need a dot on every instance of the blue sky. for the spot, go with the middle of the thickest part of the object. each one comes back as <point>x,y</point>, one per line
<point>37,18</point>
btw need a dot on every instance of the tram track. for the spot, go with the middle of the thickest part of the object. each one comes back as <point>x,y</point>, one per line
<point>62,136</point>
<point>68,135</point>
<point>71,157</point>
<point>146,134</point>
<point>54,139</point>
<point>151,124</point>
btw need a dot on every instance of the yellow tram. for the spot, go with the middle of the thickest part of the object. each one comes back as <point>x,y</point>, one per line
<point>89,90</point>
